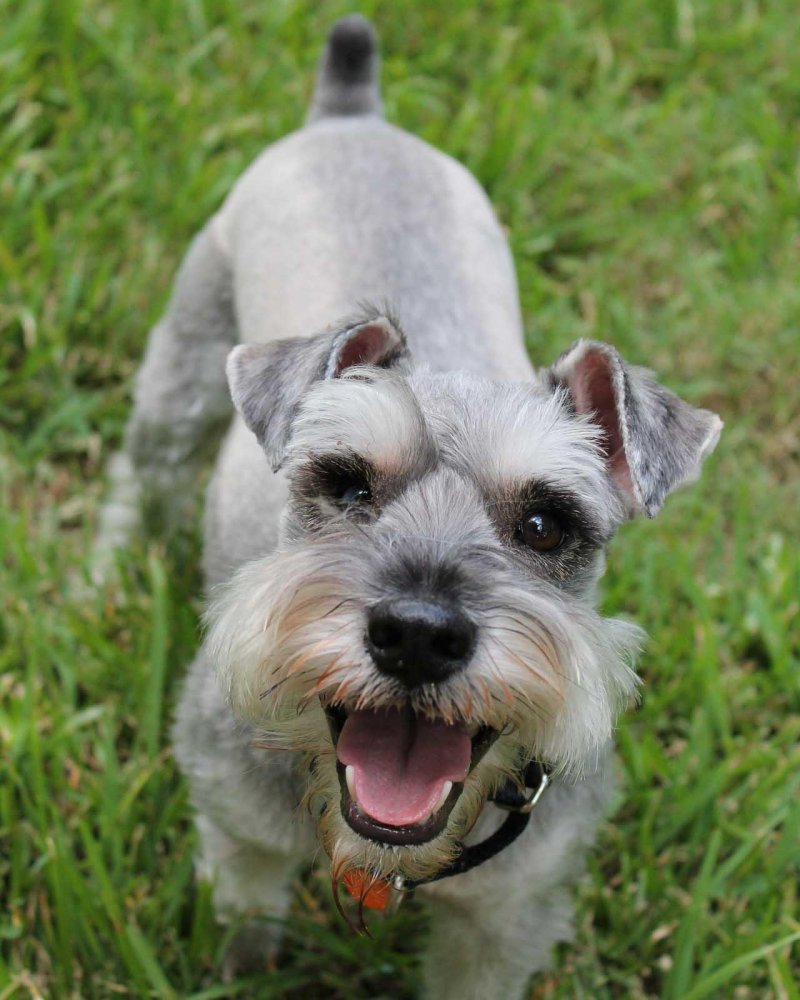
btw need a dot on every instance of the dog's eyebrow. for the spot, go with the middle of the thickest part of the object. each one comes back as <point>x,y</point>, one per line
<point>323,472</point>
<point>377,417</point>
<point>327,464</point>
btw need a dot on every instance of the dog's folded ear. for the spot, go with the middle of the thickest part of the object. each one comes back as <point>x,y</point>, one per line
<point>653,440</point>
<point>267,381</point>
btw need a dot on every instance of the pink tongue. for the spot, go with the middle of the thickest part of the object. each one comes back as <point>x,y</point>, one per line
<point>401,762</point>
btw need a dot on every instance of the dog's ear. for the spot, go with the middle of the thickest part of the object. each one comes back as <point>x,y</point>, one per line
<point>653,440</point>
<point>267,381</point>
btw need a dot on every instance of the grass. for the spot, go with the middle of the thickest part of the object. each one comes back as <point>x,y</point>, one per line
<point>644,158</point>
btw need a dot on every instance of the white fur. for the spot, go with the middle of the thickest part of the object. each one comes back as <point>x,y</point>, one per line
<point>370,412</point>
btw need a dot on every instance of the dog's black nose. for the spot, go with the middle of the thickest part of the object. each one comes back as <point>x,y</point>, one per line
<point>418,641</point>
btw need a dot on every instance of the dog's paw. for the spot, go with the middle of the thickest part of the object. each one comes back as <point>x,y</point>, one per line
<point>120,519</point>
<point>253,948</point>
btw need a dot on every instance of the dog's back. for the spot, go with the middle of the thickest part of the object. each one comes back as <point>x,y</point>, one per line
<point>351,209</point>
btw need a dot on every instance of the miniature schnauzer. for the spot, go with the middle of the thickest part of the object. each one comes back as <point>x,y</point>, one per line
<point>404,533</point>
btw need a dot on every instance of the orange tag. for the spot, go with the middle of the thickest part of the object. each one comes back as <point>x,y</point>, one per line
<point>374,894</point>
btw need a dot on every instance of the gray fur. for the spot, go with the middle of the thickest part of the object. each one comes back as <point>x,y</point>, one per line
<point>455,443</point>
<point>181,405</point>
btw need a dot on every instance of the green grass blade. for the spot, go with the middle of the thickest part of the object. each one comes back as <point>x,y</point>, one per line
<point>722,977</point>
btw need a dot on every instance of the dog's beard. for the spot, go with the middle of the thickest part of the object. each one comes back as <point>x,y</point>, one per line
<point>287,637</point>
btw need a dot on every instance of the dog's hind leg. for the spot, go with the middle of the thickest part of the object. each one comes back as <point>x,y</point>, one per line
<point>181,404</point>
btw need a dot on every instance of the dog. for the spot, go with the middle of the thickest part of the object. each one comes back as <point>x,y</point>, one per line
<point>404,533</point>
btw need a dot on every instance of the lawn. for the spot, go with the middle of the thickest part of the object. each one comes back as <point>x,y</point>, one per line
<point>644,160</point>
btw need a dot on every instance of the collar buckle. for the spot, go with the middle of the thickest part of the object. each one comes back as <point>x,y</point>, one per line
<point>537,779</point>
<point>530,800</point>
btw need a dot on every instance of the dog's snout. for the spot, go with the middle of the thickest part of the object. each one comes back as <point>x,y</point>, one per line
<point>419,641</point>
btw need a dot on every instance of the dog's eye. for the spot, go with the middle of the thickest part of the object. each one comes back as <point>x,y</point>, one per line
<point>541,531</point>
<point>344,480</point>
<point>354,494</point>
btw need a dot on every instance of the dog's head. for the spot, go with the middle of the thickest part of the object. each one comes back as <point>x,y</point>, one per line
<point>427,624</point>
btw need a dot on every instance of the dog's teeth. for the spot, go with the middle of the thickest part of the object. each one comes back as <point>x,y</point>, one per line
<point>350,778</point>
<point>447,787</point>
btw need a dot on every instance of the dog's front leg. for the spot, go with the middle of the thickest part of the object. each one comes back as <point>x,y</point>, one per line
<point>495,926</point>
<point>488,945</point>
<point>252,834</point>
<point>252,888</point>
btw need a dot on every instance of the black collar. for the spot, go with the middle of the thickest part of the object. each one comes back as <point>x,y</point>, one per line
<point>518,804</point>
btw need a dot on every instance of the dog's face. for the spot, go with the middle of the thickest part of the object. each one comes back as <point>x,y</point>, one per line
<point>427,624</point>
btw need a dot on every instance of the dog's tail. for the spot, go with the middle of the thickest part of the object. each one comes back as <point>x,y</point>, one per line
<point>347,79</point>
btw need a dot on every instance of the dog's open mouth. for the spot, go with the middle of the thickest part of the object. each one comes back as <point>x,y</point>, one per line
<point>401,773</point>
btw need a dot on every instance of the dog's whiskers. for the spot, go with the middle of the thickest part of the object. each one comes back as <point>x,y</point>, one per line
<point>262,744</point>
<point>341,691</point>
<point>530,668</point>
<point>333,668</point>
<point>274,687</point>
<point>538,709</point>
